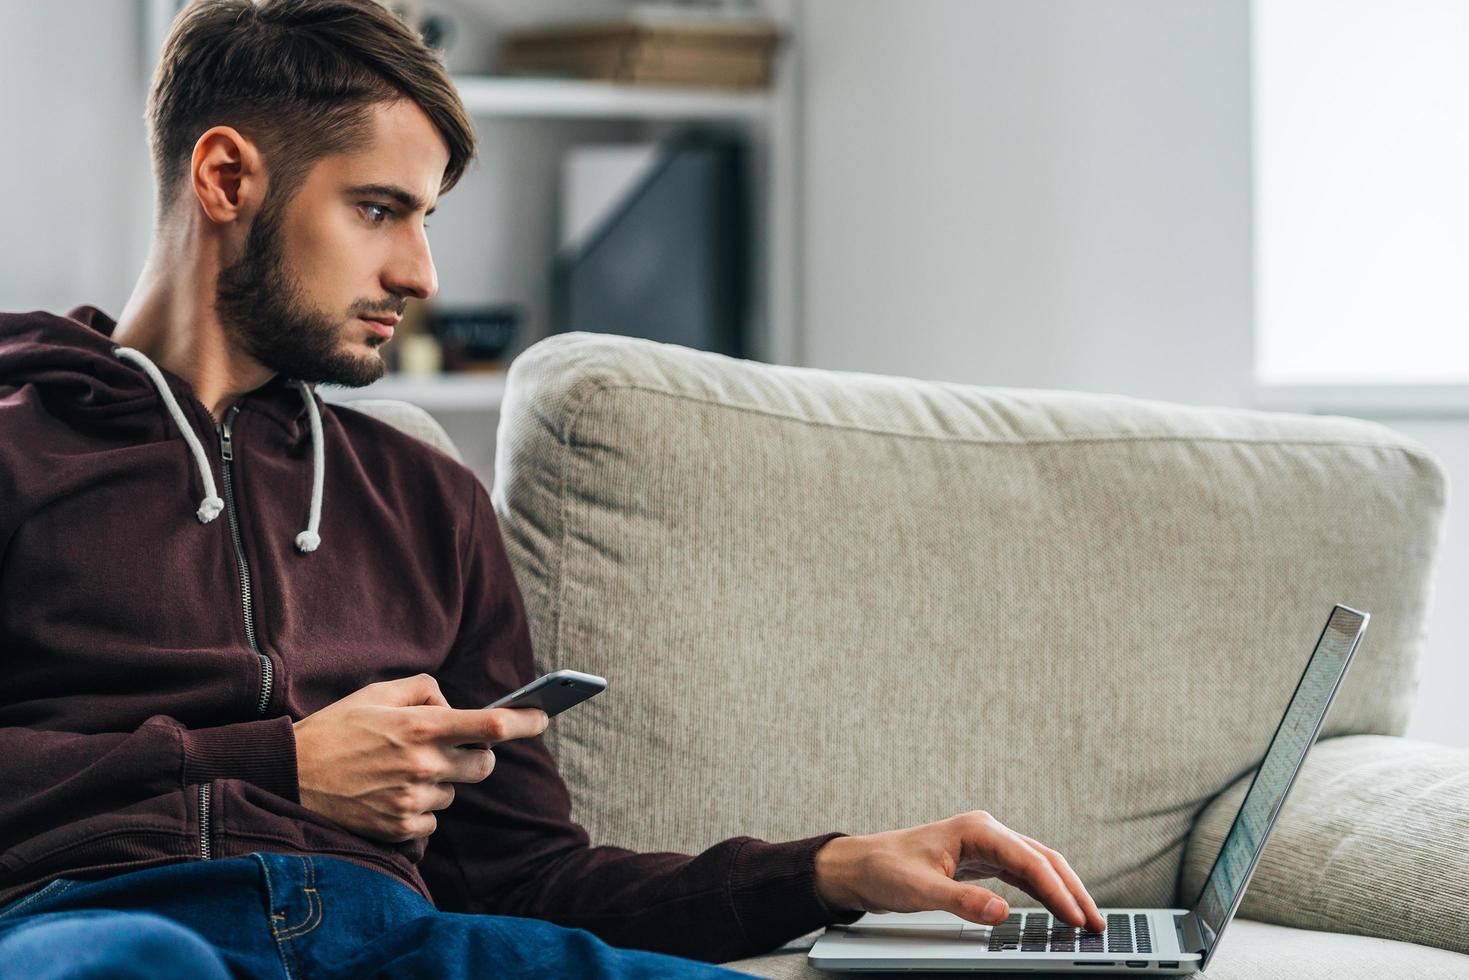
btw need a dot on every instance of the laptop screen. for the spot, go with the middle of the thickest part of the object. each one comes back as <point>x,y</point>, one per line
<point>1298,728</point>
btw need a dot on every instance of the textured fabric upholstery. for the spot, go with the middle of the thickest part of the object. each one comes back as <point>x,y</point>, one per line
<point>839,601</point>
<point>409,418</point>
<point>1371,841</point>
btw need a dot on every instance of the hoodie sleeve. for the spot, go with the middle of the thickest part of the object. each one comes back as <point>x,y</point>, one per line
<point>45,772</point>
<point>508,845</point>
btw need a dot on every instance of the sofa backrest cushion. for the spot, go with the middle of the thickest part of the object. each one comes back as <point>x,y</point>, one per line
<point>410,419</point>
<point>832,601</point>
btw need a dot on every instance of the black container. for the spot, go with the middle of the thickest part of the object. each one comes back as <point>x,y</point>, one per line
<point>472,334</point>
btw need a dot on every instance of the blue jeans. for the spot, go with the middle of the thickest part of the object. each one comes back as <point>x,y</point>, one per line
<point>287,915</point>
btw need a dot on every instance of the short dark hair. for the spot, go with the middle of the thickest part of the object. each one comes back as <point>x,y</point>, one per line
<point>297,77</point>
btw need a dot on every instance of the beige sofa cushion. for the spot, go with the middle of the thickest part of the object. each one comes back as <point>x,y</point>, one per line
<point>408,418</point>
<point>838,601</point>
<point>1374,839</point>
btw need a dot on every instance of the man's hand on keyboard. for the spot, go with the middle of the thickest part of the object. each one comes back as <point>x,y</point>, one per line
<point>915,870</point>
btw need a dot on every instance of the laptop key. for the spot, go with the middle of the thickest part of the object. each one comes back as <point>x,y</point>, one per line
<point>1006,935</point>
<point>1119,933</point>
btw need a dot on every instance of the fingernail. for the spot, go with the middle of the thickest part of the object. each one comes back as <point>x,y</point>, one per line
<point>994,909</point>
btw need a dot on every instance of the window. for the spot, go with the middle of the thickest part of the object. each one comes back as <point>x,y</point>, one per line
<point>1362,192</point>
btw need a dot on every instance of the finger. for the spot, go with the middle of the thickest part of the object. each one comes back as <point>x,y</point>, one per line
<point>1032,872</point>
<point>1020,883</point>
<point>488,725</point>
<point>1094,920</point>
<point>969,902</point>
<point>440,797</point>
<point>470,765</point>
<point>413,828</point>
<point>404,692</point>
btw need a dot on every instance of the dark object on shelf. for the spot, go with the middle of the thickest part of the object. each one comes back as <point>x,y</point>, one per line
<point>474,335</point>
<point>679,50</point>
<point>671,262</point>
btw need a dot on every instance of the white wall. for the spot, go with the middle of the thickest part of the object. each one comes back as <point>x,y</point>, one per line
<point>73,154</point>
<point>1443,684</point>
<point>1039,193</point>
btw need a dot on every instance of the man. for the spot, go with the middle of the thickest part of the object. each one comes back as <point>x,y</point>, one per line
<point>247,635</point>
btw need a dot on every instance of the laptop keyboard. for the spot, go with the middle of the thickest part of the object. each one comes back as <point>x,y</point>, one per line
<point>1040,933</point>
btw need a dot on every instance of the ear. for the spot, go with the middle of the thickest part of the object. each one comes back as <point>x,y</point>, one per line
<point>227,173</point>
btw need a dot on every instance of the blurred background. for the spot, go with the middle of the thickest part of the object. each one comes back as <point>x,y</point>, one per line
<point>1227,203</point>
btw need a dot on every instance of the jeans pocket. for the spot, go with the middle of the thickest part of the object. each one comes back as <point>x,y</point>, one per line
<point>37,899</point>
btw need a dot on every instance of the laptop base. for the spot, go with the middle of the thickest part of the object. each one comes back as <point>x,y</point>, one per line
<point>939,941</point>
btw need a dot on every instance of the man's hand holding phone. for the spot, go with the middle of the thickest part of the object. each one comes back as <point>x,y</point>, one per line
<point>382,760</point>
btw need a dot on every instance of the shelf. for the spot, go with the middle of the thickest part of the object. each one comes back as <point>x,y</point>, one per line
<point>541,98</point>
<point>442,393</point>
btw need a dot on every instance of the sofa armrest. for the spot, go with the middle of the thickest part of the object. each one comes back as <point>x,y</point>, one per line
<point>1373,840</point>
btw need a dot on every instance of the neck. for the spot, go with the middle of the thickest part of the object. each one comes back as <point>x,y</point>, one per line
<point>170,317</point>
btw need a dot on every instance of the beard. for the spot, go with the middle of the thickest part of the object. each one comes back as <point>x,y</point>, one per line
<point>265,314</point>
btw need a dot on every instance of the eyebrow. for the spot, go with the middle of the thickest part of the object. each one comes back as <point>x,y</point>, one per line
<point>407,200</point>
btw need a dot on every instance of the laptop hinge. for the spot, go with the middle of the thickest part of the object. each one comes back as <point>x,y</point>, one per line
<point>1190,936</point>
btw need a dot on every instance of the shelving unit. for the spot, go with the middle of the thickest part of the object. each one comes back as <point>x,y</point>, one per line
<point>770,119</point>
<point>555,98</point>
<point>469,392</point>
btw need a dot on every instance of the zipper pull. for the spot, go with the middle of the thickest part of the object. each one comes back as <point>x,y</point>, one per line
<point>226,448</point>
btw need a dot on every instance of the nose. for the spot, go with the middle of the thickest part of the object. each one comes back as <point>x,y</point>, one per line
<point>412,272</point>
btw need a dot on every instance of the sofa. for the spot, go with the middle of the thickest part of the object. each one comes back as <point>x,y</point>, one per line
<point>838,601</point>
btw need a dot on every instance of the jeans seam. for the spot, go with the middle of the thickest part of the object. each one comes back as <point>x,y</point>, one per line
<point>283,950</point>
<point>314,910</point>
<point>58,887</point>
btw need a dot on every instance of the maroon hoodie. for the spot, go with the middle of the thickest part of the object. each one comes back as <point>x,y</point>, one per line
<point>175,593</point>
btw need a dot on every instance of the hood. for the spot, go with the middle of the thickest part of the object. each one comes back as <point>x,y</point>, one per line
<point>80,374</point>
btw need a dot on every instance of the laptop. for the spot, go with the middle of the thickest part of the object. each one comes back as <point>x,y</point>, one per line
<point>1137,940</point>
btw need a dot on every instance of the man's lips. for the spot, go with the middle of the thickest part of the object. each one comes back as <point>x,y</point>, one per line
<point>382,327</point>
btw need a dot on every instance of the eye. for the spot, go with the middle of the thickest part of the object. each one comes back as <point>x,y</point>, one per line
<point>381,207</point>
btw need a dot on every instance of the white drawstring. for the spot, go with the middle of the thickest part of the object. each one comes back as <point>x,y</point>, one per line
<point>211,505</point>
<point>308,540</point>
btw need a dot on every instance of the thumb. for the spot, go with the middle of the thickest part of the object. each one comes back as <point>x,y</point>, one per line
<point>404,692</point>
<point>971,902</point>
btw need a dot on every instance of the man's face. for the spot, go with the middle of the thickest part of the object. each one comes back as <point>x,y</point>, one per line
<point>337,252</point>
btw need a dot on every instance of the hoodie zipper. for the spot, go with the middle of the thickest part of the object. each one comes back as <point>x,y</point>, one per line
<point>267,671</point>
<point>227,454</point>
<point>206,850</point>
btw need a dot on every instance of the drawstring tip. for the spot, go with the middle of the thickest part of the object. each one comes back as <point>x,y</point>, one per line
<point>209,509</point>
<point>308,540</point>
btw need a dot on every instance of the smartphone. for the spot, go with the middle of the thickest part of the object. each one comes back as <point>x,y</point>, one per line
<point>555,692</point>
